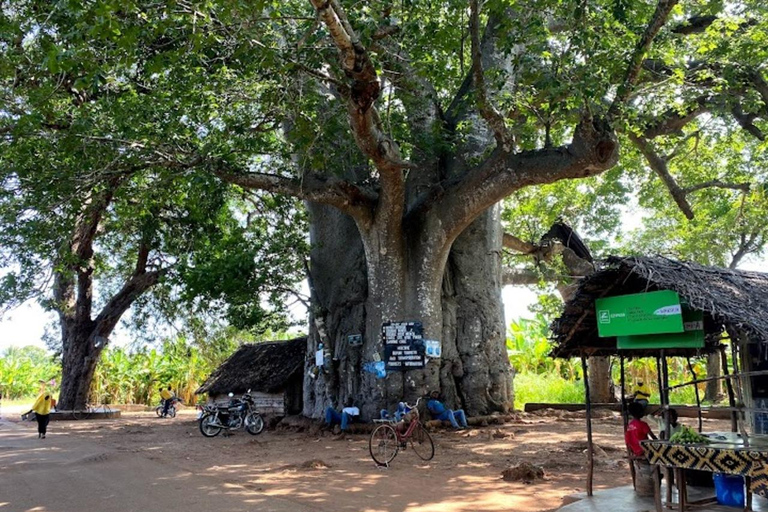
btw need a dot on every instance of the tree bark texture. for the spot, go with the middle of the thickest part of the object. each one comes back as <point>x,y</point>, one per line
<point>80,354</point>
<point>474,371</point>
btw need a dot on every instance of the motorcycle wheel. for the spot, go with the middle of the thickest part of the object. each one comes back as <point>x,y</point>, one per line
<point>207,426</point>
<point>254,424</point>
<point>159,411</point>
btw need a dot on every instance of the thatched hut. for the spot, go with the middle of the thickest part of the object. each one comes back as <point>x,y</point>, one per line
<point>735,301</point>
<point>729,303</point>
<point>273,371</point>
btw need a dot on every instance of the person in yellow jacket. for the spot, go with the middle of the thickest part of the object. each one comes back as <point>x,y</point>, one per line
<point>167,396</point>
<point>42,410</point>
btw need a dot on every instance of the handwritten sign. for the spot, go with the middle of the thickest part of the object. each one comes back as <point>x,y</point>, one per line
<point>403,345</point>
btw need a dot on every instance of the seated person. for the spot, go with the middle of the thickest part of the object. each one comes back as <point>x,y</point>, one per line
<point>401,410</point>
<point>439,412</point>
<point>637,430</point>
<point>343,418</point>
<point>641,394</point>
<point>674,425</point>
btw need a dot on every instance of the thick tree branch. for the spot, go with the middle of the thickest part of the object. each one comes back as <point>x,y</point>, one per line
<point>747,245</point>
<point>679,194</point>
<point>744,187</point>
<point>694,25</point>
<point>525,277</point>
<point>594,149</point>
<point>348,197</point>
<point>510,241</point>
<point>746,121</point>
<point>663,8</point>
<point>659,166</point>
<point>494,119</point>
<point>133,288</point>
<point>673,121</point>
<point>363,117</point>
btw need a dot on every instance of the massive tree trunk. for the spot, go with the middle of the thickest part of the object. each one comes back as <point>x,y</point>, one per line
<point>80,355</point>
<point>474,371</point>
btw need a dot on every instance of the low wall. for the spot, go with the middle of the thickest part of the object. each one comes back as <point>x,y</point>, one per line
<point>83,415</point>
<point>683,411</point>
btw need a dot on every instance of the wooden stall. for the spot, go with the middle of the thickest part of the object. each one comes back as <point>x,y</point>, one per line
<point>613,313</point>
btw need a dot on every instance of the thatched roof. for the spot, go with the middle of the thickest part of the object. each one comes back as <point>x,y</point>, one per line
<point>265,367</point>
<point>729,298</point>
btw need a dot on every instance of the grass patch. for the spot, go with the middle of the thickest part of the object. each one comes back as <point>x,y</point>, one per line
<point>546,387</point>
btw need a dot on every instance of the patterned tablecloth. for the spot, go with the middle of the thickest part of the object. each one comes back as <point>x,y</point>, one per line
<point>719,458</point>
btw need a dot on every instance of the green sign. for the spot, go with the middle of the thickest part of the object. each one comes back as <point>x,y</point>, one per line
<point>691,337</point>
<point>639,313</point>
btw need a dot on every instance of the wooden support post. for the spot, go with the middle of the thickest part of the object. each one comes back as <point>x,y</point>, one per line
<point>665,393</point>
<point>742,417</point>
<point>729,388</point>
<point>659,380</point>
<point>696,390</point>
<point>590,450</point>
<point>623,384</point>
<point>625,419</point>
<point>655,471</point>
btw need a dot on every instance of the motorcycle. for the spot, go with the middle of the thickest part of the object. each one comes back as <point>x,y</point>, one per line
<point>238,414</point>
<point>171,408</point>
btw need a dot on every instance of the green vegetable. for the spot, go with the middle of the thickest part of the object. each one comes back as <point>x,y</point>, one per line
<point>688,436</point>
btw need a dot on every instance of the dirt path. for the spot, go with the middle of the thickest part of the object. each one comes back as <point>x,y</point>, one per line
<point>146,464</point>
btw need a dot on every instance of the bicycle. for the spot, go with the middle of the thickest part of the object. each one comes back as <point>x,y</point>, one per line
<point>90,409</point>
<point>388,439</point>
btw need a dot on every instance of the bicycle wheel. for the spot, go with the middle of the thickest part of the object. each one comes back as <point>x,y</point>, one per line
<point>208,426</point>
<point>254,424</point>
<point>172,411</point>
<point>383,444</point>
<point>421,442</point>
<point>79,414</point>
<point>159,411</point>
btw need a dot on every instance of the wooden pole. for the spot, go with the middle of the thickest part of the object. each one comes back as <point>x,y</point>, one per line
<point>660,381</point>
<point>590,450</point>
<point>665,392</point>
<point>729,388</point>
<point>625,419</point>
<point>739,391</point>
<point>696,390</point>
<point>623,384</point>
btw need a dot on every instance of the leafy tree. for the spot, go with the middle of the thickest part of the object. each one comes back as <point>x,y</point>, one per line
<point>400,126</point>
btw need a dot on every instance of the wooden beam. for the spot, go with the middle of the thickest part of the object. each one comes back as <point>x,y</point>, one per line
<point>590,453</point>
<point>729,388</point>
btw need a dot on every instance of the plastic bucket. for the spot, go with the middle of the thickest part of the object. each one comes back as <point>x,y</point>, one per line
<point>729,490</point>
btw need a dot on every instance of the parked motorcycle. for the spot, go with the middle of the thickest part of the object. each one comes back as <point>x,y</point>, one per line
<point>171,408</point>
<point>238,414</point>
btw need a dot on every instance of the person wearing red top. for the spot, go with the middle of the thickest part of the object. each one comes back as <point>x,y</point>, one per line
<point>637,430</point>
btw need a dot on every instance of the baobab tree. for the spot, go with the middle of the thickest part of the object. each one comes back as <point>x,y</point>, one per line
<point>401,127</point>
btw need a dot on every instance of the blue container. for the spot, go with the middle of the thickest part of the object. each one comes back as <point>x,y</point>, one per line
<point>729,490</point>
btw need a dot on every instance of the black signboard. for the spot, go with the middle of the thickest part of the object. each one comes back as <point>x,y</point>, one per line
<point>403,345</point>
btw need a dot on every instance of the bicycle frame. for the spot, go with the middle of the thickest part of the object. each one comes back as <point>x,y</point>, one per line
<point>403,437</point>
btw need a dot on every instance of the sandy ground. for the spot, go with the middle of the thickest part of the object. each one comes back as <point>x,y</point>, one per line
<point>144,463</point>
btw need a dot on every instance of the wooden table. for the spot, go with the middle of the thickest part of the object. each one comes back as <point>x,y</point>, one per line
<point>727,454</point>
